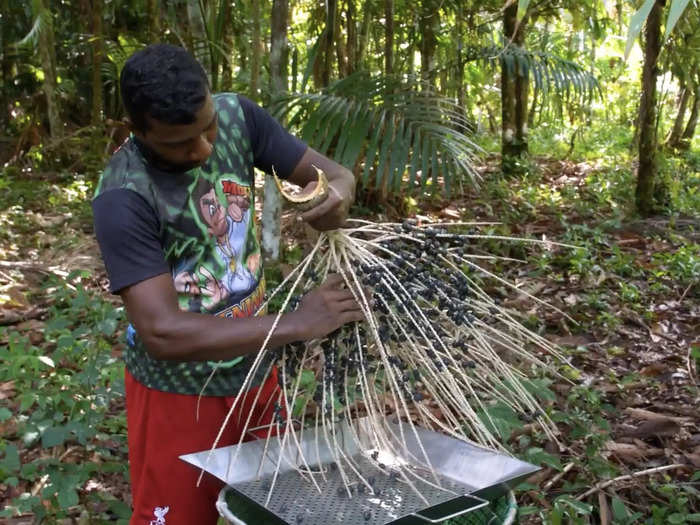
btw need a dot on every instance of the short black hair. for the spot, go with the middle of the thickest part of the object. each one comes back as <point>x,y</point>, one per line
<point>163,82</point>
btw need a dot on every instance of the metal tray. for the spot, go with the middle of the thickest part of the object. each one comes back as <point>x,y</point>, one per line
<point>469,477</point>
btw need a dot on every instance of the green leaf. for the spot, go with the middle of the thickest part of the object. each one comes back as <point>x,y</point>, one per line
<point>107,326</point>
<point>5,414</point>
<point>676,518</point>
<point>636,23</point>
<point>119,508</point>
<point>674,14</point>
<point>693,518</point>
<point>11,462</point>
<point>539,456</point>
<point>579,506</point>
<point>522,9</point>
<point>620,512</point>
<point>67,497</point>
<point>53,436</point>
<point>307,379</point>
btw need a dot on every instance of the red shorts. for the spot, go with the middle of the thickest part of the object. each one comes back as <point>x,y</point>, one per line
<point>161,427</point>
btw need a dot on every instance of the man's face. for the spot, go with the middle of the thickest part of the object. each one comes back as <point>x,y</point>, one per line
<point>213,213</point>
<point>184,146</point>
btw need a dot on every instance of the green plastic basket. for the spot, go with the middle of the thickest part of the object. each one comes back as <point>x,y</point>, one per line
<point>237,510</point>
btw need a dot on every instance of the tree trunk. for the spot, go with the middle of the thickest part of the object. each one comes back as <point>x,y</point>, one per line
<point>272,205</point>
<point>324,53</point>
<point>295,69</point>
<point>278,46</point>
<point>674,137</point>
<point>229,46</point>
<point>388,37</point>
<point>460,58</point>
<point>514,94</point>
<point>47,52</point>
<point>646,172</point>
<point>328,44</point>
<point>352,38</point>
<point>97,53</point>
<point>693,119</point>
<point>257,51</point>
<point>153,20</point>
<point>340,45</point>
<point>7,65</point>
<point>363,41</point>
<point>427,24</point>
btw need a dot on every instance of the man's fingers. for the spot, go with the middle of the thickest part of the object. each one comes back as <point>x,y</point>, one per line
<point>333,280</point>
<point>348,305</point>
<point>330,203</point>
<point>350,316</point>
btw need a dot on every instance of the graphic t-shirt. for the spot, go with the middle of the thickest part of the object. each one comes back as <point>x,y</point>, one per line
<point>197,225</point>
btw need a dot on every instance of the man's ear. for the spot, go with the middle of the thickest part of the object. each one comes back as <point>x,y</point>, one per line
<point>126,121</point>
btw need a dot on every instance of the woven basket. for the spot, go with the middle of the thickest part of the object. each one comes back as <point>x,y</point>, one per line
<point>502,511</point>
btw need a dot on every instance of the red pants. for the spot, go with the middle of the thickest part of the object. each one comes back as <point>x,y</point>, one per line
<point>161,427</point>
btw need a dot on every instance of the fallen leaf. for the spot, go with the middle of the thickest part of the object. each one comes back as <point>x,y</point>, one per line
<point>656,427</point>
<point>7,389</point>
<point>693,458</point>
<point>572,299</point>
<point>654,369</point>
<point>648,415</point>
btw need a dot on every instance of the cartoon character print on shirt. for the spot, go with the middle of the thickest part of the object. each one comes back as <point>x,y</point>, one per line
<point>223,210</point>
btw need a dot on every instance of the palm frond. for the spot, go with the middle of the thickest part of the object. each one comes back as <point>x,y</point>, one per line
<point>399,127</point>
<point>42,21</point>
<point>551,74</point>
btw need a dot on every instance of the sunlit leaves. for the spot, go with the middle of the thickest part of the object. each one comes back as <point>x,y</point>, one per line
<point>548,72</point>
<point>636,23</point>
<point>674,14</point>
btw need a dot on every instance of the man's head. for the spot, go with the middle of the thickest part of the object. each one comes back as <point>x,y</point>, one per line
<point>166,96</point>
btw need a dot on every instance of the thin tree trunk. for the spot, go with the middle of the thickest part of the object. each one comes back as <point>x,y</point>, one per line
<point>388,37</point>
<point>47,53</point>
<point>272,204</point>
<point>677,131</point>
<point>363,42</point>
<point>330,38</point>
<point>460,58</point>
<point>7,64</point>
<point>97,53</point>
<point>153,20</point>
<point>295,69</point>
<point>352,38</point>
<point>229,48</point>
<point>646,172</point>
<point>257,51</point>
<point>514,92</point>
<point>427,22</point>
<point>340,46</point>
<point>693,119</point>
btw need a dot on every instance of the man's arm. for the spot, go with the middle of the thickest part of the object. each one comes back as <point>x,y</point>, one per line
<point>333,211</point>
<point>171,334</point>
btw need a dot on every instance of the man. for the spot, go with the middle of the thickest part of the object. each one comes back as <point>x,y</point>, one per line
<point>173,217</point>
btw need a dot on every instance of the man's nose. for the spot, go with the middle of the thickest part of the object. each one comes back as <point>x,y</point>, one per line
<point>201,150</point>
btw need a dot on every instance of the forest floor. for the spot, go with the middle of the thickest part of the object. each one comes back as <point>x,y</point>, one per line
<point>624,404</point>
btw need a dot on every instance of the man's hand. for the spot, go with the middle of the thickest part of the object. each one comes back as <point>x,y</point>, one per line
<point>333,211</point>
<point>327,308</point>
